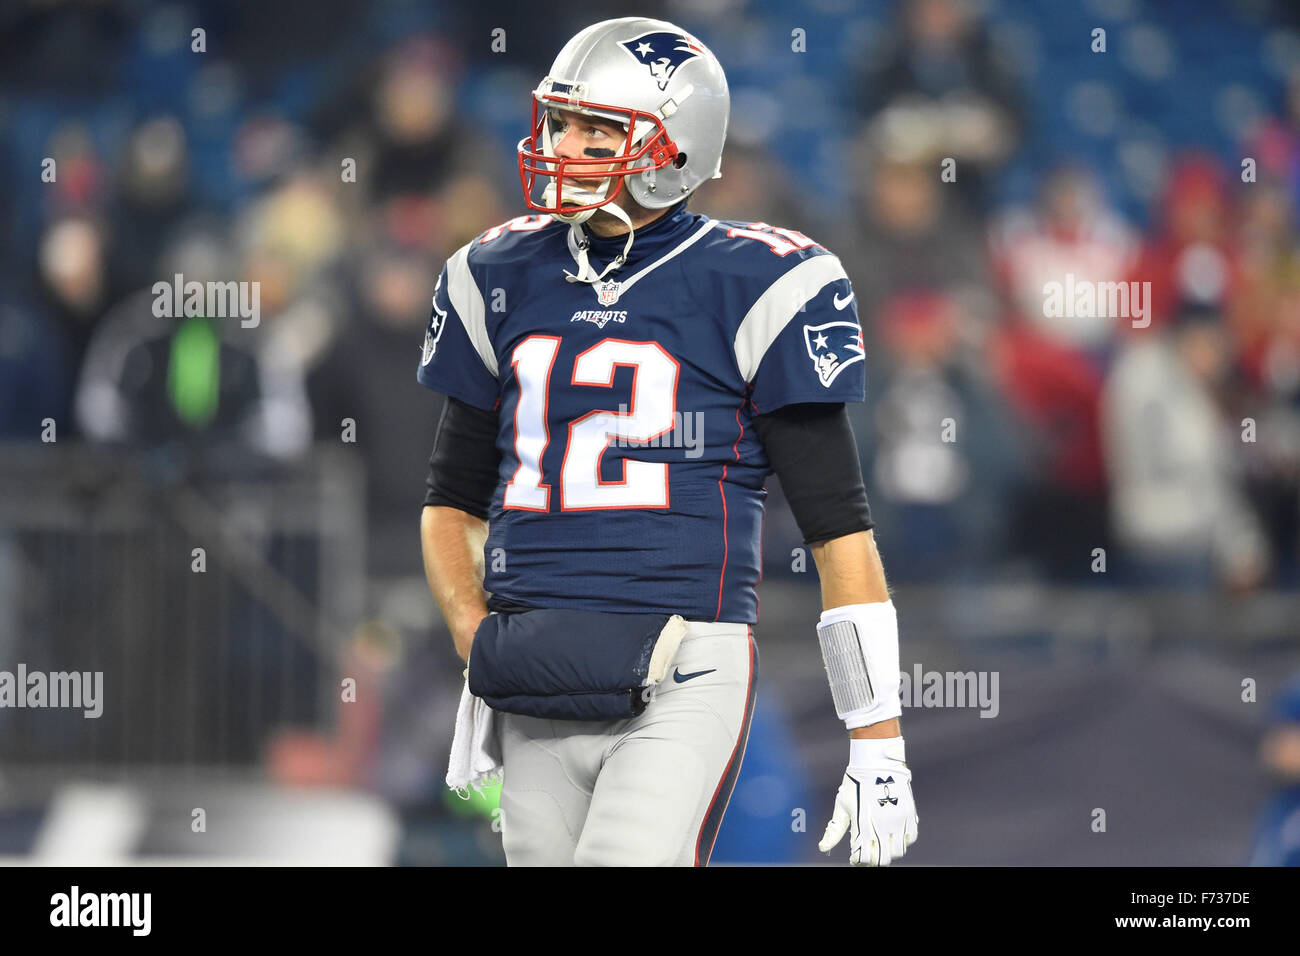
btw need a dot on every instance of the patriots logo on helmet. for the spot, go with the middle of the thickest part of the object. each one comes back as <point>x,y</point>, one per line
<point>833,347</point>
<point>437,322</point>
<point>663,53</point>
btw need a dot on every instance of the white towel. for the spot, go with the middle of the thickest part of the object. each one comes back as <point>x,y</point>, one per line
<point>475,755</point>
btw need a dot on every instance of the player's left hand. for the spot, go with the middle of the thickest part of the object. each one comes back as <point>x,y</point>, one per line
<point>874,804</point>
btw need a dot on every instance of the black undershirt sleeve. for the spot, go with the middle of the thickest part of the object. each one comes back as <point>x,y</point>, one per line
<point>463,465</point>
<point>812,450</point>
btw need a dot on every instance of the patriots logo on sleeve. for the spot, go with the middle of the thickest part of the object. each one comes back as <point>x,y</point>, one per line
<point>663,53</point>
<point>833,347</point>
<point>437,322</point>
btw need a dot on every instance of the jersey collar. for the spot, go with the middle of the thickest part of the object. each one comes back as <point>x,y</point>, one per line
<point>651,241</point>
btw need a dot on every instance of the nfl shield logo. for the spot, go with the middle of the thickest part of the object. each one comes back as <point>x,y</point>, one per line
<point>608,292</point>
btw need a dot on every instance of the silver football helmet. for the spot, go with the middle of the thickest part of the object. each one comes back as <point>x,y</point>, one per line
<point>662,85</point>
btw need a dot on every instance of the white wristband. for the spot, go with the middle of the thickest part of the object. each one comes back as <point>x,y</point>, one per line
<point>859,644</point>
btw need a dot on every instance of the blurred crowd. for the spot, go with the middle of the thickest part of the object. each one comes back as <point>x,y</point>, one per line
<point>1058,423</point>
<point>995,435</point>
<point>1169,438</point>
<point>1168,435</point>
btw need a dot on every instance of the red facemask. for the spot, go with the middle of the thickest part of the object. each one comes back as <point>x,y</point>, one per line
<point>537,159</point>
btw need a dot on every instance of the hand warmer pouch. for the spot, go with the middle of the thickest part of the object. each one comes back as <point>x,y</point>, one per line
<point>568,664</point>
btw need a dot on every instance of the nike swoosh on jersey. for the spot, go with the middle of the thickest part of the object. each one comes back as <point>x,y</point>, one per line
<point>840,305</point>
<point>680,678</point>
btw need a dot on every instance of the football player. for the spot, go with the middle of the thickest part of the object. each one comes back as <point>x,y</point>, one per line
<point>621,376</point>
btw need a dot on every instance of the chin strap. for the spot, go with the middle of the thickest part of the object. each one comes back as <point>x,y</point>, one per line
<point>579,244</point>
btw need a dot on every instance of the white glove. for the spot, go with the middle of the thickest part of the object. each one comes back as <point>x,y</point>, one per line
<point>874,804</point>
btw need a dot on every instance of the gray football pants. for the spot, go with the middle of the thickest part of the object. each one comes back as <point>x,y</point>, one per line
<point>647,791</point>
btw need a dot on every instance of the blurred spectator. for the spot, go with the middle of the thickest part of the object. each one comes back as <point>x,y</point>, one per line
<point>939,450</point>
<point>907,236</point>
<point>290,242</point>
<point>367,377</point>
<point>1054,390</point>
<point>399,122</point>
<point>1268,294</point>
<point>80,180</point>
<point>151,201</point>
<point>458,212</point>
<point>1275,142</point>
<point>1265,325</point>
<point>268,149</point>
<point>299,225</point>
<point>1072,232</point>
<point>753,188</point>
<point>939,89</point>
<point>367,372</point>
<point>1175,461</point>
<point>150,380</point>
<point>1192,258</point>
<point>73,280</point>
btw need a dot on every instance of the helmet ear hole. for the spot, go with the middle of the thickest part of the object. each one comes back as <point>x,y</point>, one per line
<point>680,161</point>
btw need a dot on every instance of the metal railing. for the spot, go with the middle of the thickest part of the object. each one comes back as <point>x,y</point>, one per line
<point>210,592</point>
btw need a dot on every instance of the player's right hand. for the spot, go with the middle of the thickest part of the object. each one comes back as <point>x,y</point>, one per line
<point>874,804</point>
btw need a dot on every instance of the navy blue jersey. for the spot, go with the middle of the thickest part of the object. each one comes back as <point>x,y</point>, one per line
<point>631,478</point>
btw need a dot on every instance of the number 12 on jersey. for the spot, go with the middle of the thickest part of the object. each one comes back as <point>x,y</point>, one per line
<point>652,411</point>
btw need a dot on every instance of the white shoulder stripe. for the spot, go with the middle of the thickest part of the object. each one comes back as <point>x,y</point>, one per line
<point>467,300</point>
<point>777,306</point>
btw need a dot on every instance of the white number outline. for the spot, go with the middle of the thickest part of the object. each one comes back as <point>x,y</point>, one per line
<point>780,241</point>
<point>528,385</point>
